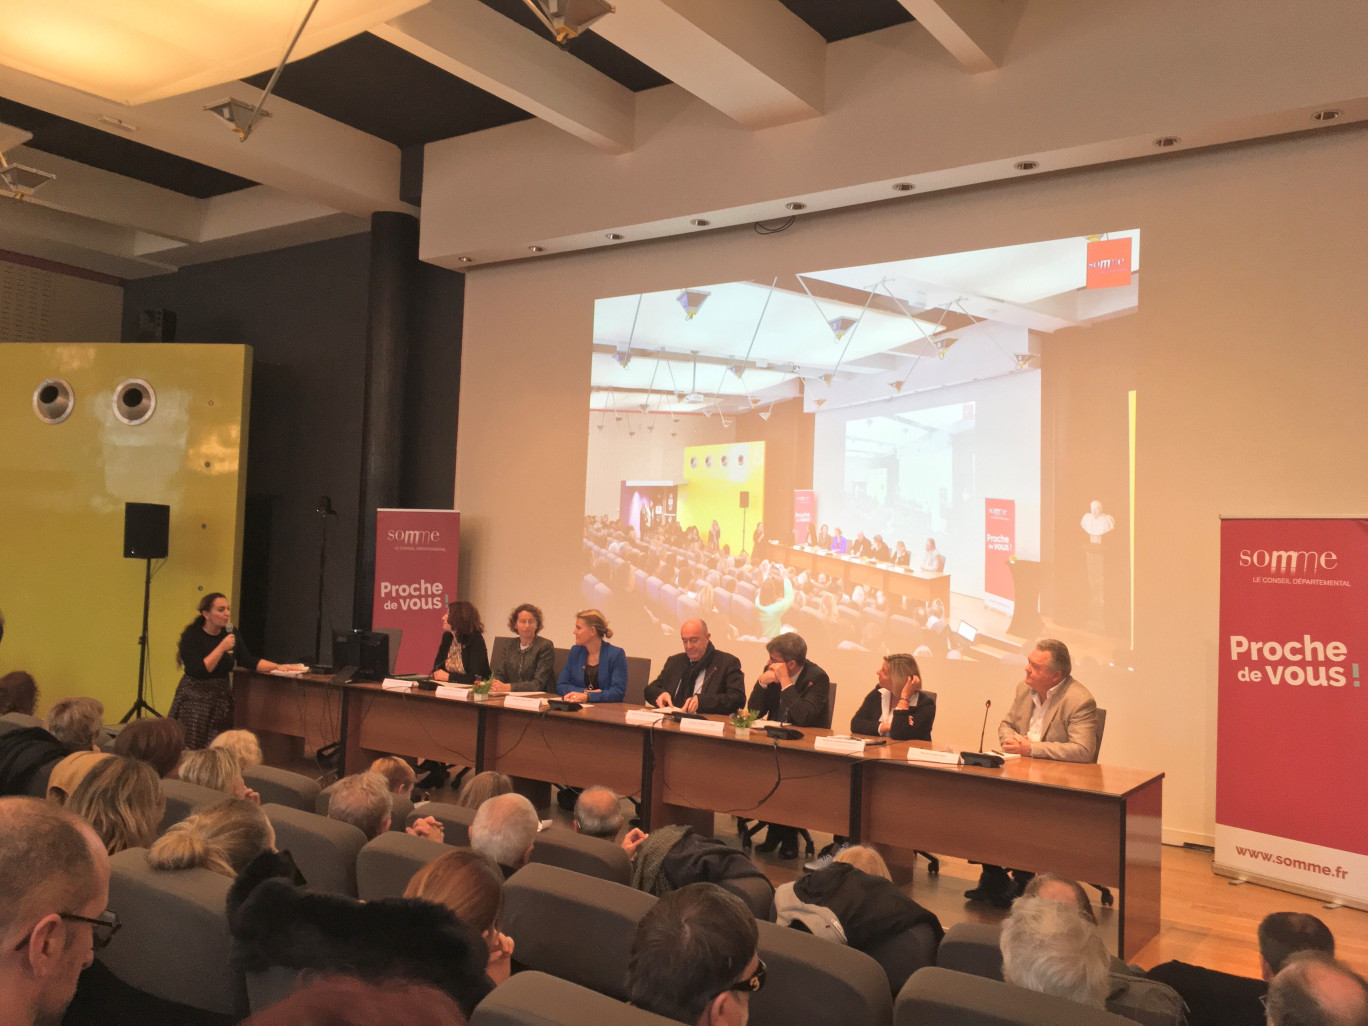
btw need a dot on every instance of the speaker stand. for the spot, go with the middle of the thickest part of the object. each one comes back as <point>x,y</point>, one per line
<point>141,705</point>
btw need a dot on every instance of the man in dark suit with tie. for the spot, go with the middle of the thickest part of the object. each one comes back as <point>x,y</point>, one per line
<point>700,679</point>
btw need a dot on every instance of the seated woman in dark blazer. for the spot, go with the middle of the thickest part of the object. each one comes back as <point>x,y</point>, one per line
<point>462,656</point>
<point>897,707</point>
<point>595,670</point>
<point>529,664</point>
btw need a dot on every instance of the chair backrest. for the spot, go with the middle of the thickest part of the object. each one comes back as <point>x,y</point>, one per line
<point>591,856</point>
<point>536,999</point>
<point>638,676</point>
<point>942,997</point>
<point>904,953</point>
<point>972,948</point>
<point>324,849</point>
<point>830,707</point>
<point>175,943</point>
<point>183,799</point>
<point>818,983</point>
<point>545,906</point>
<point>281,787</point>
<point>455,820</point>
<point>756,891</point>
<point>385,865</point>
<point>496,649</point>
<point>1101,729</point>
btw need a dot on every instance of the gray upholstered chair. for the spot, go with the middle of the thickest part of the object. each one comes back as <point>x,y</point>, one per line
<point>281,787</point>
<point>325,850</point>
<point>536,999</point>
<point>591,856</point>
<point>972,948</point>
<point>757,892</point>
<point>385,865</point>
<point>545,906</point>
<point>455,820</point>
<point>174,943</point>
<point>818,983</point>
<point>904,953</point>
<point>183,799</point>
<point>942,997</point>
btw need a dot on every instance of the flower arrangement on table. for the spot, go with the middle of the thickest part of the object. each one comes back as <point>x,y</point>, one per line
<point>741,721</point>
<point>480,690</point>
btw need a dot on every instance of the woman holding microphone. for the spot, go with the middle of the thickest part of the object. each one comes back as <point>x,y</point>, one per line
<point>208,650</point>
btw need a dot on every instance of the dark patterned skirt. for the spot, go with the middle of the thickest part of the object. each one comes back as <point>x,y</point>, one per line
<point>203,708</point>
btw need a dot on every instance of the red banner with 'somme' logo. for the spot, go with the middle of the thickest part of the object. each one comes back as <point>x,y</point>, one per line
<point>1292,705</point>
<point>415,577</point>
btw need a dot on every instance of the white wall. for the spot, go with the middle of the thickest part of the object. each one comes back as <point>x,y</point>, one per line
<point>1251,377</point>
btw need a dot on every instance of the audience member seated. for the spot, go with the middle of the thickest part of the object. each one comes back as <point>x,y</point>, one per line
<point>594,671</point>
<point>158,741</point>
<point>1315,989</point>
<point>695,958</point>
<point>529,663</point>
<point>242,743</point>
<point>481,787</point>
<point>122,800</point>
<point>223,838</point>
<point>69,773</point>
<point>18,693</point>
<point>471,885</point>
<point>598,813</point>
<point>674,856</point>
<point>54,888</point>
<point>364,801</point>
<point>346,1001</point>
<point>1049,948</point>
<point>399,775</point>
<point>217,769</point>
<point>1224,999</point>
<point>505,828</point>
<point>77,722</point>
<point>462,656</point>
<point>700,679</point>
<point>28,756</point>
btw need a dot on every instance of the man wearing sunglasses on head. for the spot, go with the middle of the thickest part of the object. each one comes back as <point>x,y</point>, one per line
<point>695,958</point>
<point>54,885</point>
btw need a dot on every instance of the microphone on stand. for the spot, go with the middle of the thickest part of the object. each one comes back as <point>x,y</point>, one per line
<point>982,758</point>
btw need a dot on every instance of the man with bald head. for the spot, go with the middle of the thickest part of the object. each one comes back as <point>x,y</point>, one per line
<point>54,886</point>
<point>700,679</point>
<point>1315,989</point>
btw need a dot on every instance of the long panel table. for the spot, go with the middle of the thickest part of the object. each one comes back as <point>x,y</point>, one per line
<point>893,580</point>
<point>1099,824</point>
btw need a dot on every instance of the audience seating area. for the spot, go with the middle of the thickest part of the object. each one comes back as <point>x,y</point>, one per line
<point>943,997</point>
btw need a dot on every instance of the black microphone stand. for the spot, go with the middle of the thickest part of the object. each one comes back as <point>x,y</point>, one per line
<point>141,705</point>
<point>324,510</point>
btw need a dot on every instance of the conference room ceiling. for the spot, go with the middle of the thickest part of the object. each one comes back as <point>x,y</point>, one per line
<point>147,188</point>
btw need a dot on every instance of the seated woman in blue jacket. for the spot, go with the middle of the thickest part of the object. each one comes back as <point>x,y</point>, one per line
<point>595,670</point>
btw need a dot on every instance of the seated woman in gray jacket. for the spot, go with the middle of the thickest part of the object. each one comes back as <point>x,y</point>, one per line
<point>529,664</point>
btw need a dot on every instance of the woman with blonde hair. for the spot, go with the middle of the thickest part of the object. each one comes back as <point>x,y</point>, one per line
<point>481,787</point>
<point>223,838</point>
<point>471,885</point>
<point>399,775</point>
<point>595,671</point>
<point>217,769</point>
<point>866,860</point>
<point>122,800</point>
<point>242,743</point>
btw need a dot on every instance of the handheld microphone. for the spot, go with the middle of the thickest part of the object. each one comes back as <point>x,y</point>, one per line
<point>982,758</point>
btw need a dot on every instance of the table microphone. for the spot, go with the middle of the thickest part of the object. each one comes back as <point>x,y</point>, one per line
<point>982,758</point>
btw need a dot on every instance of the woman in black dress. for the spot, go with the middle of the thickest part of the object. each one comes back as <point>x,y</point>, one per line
<point>462,656</point>
<point>208,651</point>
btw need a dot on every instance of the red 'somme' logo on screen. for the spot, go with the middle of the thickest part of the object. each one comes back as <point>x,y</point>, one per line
<point>1109,263</point>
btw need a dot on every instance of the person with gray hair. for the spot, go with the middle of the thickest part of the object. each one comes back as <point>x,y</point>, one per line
<point>505,828</point>
<point>365,801</point>
<point>1051,949</point>
<point>598,813</point>
<point>78,722</point>
<point>1315,989</point>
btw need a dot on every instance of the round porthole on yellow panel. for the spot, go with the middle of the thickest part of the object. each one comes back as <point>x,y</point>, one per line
<point>53,401</point>
<point>134,402</point>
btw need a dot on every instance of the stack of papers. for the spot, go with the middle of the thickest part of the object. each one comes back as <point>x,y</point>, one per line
<point>395,684</point>
<point>836,743</point>
<point>644,717</point>
<point>692,726</point>
<point>930,755</point>
<point>532,701</point>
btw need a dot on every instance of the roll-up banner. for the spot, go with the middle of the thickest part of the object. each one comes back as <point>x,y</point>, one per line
<point>1292,709</point>
<point>415,577</point>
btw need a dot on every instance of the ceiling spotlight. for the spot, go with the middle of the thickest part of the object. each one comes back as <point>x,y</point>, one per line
<point>623,357</point>
<point>534,249</point>
<point>1026,360</point>
<point>614,237</point>
<point>465,260</point>
<point>692,301</point>
<point>22,180</point>
<point>903,186</point>
<point>840,325</point>
<point>239,116</point>
<point>1329,114</point>
<point>943,345</point>
<point>767,413</point>
<point>568,18</point>
<point>896,386</point>
<point>795,205</point>
<point>700,222</point>
<point>826,379</point>
<point>1026,165</point>
<point>819,403</point>
<point>1165,141</point>
<point>738,369</point>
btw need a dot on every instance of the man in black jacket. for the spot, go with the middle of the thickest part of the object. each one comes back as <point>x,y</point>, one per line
<point>897,707</point>
<point>791,690</point>
<point>700,679</point>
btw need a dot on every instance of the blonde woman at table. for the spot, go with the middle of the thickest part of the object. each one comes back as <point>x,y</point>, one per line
<point>595,670</point>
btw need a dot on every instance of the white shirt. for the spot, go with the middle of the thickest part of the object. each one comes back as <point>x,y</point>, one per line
<point>1038,709</point>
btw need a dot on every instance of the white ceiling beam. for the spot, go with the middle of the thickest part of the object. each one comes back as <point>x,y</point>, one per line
<point>754,60</point>
<point>474,42</point>
<point>295,150</point>
<point>976,32</point>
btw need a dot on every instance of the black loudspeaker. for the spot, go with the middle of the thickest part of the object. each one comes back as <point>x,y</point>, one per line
<point>146,528</point>
<point>156,326</point>
<point>745,500</point>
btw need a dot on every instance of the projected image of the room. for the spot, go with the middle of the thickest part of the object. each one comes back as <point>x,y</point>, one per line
<point>915,455</point>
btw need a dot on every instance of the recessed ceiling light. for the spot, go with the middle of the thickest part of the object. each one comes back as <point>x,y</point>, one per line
<point>903,186</point>
<point>795,205</point>
<point>1026,165</point>
<point>1329,114</point>
<point>535,249</point>
<point>614,237</point>
<point>1165,141</point>
<point>699,222</point>
<point>466,260</point>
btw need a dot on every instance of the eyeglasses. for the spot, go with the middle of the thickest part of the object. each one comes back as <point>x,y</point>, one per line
<point>753,983</point>
<point>102,928</point>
